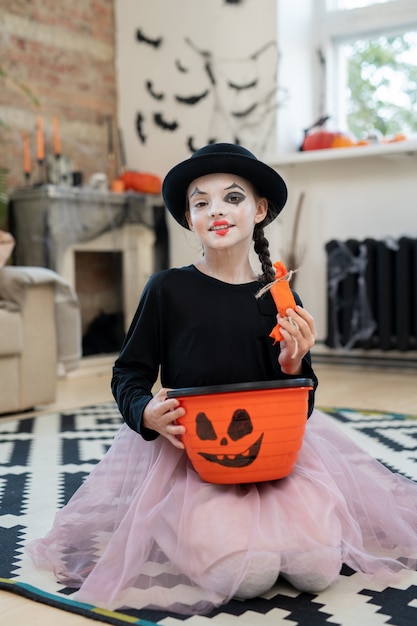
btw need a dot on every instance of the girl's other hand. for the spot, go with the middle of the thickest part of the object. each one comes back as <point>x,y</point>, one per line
<point>161,413</point>
<point>299,332</point>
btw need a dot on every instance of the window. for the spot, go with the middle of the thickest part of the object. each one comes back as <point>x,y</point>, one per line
<point>368,53</point>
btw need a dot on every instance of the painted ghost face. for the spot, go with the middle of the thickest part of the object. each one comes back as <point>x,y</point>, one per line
<point>223,210</point>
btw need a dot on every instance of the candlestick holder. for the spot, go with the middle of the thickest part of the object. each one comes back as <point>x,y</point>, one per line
<point>42,179</point>
<point>60,170</point>
<point>27,179</point>
<point>59,176</point>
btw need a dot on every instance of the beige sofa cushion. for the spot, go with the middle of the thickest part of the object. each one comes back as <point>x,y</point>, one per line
<point>11,334</point>
<point>10,385</point>
<point>28,379</point>
<point>14,284</point>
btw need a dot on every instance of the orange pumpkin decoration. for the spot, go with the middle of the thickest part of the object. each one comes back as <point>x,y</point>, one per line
<point>142,182</point>
<point>243,433</point>
<point>397,137</point>
<point>342,141</point>
<point>324,139</point>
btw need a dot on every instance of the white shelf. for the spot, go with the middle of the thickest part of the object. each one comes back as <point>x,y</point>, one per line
<point>388,150</point>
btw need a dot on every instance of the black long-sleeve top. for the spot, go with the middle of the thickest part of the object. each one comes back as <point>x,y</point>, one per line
<point>197,331</point>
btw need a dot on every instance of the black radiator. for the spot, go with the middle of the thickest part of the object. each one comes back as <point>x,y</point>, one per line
<point>372,294</point>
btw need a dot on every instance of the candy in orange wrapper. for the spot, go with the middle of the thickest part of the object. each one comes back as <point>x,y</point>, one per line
<point>282,295</point>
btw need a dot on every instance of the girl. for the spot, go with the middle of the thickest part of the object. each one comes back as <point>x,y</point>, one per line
<point>144,529</point>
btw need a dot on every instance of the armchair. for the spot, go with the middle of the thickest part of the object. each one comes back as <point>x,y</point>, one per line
<point>40,335</point>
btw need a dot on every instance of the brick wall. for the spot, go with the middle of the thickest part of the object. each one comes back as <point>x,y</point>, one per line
<point>64,53</point>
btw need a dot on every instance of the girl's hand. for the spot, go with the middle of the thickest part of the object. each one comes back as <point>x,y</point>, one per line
<point>299,334</point>
<point>161,413</point>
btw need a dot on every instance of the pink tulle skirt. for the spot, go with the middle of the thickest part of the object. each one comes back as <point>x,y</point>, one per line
<point>145,531</point>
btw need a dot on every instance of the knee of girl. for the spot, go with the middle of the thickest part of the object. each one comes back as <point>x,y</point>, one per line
<point>314,573</point>
<point>242,576</point>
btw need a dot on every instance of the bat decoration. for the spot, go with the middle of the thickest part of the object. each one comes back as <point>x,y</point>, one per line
<point>180,67</point>
<point>229,119</point>
<point>191,146</point>
<point>248,111</point>
<point>209,72</point>
<point>150,42</point>
<point>191,100</point>
<point>139,123</point>
<point>156,96</point>
<point>242,87</point>
<point>233,1</point>
<point>159,121</point>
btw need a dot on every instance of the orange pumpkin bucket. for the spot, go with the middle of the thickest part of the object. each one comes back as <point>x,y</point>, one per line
<point>244,433</point>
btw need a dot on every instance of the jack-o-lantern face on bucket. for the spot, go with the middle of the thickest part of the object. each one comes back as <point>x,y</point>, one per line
<point>239,428</point>
<point>248,432</point>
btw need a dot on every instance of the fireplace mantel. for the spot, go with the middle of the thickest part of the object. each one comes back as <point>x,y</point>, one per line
<point>46,220</point>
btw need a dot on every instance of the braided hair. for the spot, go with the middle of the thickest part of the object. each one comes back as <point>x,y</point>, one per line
<point>261,246</point>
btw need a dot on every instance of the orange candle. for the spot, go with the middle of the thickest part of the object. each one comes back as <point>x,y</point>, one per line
<point>26,153</point>
<point>39,139</point>
<point>57,141</point>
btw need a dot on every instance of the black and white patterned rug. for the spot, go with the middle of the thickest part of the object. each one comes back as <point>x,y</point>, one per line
<point>44,459</point>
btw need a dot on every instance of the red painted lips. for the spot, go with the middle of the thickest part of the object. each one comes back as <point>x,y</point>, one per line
<point>220,227</point>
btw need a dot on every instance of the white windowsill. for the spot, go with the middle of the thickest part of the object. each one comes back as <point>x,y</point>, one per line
<point>388,150</point>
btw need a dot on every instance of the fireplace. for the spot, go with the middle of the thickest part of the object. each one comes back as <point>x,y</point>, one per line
<point>105,244</point>
<point>99,285</point>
